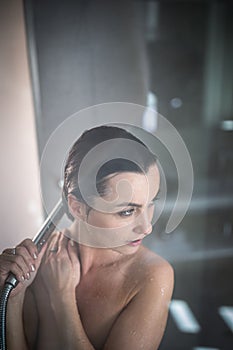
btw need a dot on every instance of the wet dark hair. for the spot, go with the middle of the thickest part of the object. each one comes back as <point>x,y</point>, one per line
<point>88,140</point>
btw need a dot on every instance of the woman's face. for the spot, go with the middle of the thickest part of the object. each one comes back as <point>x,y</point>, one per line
<point>129,207</point>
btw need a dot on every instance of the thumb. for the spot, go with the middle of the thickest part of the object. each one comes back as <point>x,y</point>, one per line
<point>41,254</point>
<point>73,251</point>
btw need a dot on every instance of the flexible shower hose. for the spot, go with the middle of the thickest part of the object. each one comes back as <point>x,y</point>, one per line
<point>11,282</point>
<point>3,307</point>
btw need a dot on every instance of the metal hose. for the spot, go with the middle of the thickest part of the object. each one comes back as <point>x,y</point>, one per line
<point>11,281</point>
<point>3,308</point>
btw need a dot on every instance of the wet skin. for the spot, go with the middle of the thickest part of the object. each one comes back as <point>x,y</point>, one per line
<point>89,297</point>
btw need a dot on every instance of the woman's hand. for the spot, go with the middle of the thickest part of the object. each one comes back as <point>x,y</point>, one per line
<point>61,267</point>
<point>23,261</point>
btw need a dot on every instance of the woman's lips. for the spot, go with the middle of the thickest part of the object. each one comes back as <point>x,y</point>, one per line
<point>135,243</point>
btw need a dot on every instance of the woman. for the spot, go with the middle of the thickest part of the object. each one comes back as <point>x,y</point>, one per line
<point>94,285</point>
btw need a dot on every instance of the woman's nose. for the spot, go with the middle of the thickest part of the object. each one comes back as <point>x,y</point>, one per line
<point>143,224</point>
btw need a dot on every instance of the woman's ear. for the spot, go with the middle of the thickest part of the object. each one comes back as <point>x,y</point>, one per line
<point>77,209</point>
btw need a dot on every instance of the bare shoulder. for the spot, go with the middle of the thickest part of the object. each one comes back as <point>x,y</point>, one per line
<point>154,262</point>
<point>153,271</point>
<point>147,309</point>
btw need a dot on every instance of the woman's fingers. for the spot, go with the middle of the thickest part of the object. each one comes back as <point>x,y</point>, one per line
<point>9,251</point>
<point>66,244</point>
<point>25,256</point>
<point>22,261</point>
<point>19,260</point>
<point>53,244</point>
<point>73,252</point>
<point>9,265</point>
<point>61,265</point>
<point>62,247</point>
<point>31,247</point>
<point>41,255</point>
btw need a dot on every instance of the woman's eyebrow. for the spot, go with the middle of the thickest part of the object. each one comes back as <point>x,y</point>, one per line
<point>131,204</point>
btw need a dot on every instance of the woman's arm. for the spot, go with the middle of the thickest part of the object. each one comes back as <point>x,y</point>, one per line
<point>61,270</point>
<point>15,338</point>
<point>72,335</point>
<point>24,265</point>
<point>22,322</point>
<point>142,323</point>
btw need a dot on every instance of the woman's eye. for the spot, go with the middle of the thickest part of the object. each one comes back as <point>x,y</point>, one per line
<point>125,213</point>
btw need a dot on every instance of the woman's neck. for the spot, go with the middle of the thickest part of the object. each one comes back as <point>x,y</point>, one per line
<point>92,257</point>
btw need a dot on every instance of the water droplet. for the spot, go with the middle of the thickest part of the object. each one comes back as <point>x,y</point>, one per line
<point>133,332</point>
